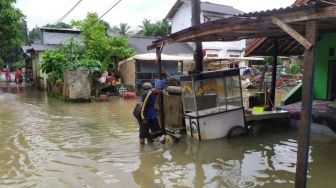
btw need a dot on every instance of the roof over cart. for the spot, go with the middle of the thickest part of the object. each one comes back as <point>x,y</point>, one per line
<point>261,24</point>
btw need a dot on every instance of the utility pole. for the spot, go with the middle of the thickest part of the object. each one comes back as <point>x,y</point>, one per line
<point>195,17</point>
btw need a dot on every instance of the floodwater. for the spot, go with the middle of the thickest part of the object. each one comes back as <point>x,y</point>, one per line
<point>47,143</point>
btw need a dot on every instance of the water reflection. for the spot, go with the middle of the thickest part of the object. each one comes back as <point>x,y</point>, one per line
<point>219,163</point>
<point>48,143</point>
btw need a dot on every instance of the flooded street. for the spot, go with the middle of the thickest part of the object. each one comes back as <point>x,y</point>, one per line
<point>48,143</point>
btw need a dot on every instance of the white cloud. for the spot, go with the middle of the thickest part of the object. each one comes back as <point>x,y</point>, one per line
<point>41,12</point>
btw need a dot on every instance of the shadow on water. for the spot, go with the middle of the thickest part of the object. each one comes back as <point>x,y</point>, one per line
<point>47,143</point>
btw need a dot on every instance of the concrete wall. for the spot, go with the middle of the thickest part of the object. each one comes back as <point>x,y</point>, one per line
<point>77,85</point>
<point>39,78</point>
<point>182,18</point>
<point>327,40</point>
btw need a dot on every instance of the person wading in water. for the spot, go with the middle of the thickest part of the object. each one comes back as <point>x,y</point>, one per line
<point>148,119</point>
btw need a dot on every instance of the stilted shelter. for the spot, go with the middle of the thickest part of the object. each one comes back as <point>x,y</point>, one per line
<point>302,23</point>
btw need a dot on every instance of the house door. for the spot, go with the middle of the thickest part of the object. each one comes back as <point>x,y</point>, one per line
<point>332,80</point>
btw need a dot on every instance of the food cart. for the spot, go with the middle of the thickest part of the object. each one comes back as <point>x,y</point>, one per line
<point>212,103</point>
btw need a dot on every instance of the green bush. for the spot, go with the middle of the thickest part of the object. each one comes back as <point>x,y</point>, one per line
<point>53,63</point>
<point>19,64</point>
<point>2,62</point>
<point>294,68</point>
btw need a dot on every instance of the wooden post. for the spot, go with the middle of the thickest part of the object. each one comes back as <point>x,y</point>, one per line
<point>274,71</point>
<point>195,20</point>
<point>307,98</point>
<point>182,67</point>
<point>262,78</point>
<point>159,76</point>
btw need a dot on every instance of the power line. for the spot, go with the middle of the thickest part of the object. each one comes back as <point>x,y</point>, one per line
<point>67,13</point>
<point>114,5</point>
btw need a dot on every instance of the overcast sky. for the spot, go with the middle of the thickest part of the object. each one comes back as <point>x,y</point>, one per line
<point>41,12</point>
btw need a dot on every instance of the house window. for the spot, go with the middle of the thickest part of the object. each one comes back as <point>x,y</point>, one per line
<point>234,53</point>
<point>212,55</point>
<point>331,51</point>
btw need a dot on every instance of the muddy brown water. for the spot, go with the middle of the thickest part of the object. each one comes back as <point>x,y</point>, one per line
<point>47,143</point>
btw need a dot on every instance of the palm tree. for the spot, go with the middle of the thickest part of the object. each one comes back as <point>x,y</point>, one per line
<point>147,28</point>
<point>123,29</point>
<point>158,29</point>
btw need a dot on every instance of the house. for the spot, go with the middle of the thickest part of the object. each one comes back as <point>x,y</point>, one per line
<point>180,18</point>
<point>52,38</point>
<point>142,67</point>
<point>325,67</point>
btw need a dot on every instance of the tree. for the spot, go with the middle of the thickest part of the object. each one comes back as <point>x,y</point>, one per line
<point>158,29</point>
<point>59,25</point>
<point>34,35</point>
<point>123,29</point>
<point>10,24</point>
<point>98,46</point>
<point>120,50</point>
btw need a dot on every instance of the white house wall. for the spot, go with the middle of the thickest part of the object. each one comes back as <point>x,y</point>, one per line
<point>59,38</point>
<point>182,20</point>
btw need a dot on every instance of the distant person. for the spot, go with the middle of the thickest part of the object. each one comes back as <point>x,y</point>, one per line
<point>18,76</point>
<point>247,72</point>
<point>102,79</point>
<point>147,86</point>
<point>148,119</point>
<point>7,75</point>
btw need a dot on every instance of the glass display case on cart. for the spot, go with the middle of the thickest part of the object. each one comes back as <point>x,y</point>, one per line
<point>212,103</point>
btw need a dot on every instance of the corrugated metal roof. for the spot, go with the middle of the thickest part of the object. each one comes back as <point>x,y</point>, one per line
<point>43,47</point>
<point>205,6</point>
<point>312,4</point>
<point>218,8</point>
<point>60,30</point>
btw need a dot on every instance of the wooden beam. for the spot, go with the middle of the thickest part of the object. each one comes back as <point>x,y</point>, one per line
<point>251,47</point>
<point>306,111</point>
<point>290,31</point>
<point>289,45</point>
<point>296,47</point>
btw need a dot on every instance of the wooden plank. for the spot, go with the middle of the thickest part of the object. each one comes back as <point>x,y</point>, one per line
<point>290,31</point>
<point>267,115</point>
<point>306,111</point>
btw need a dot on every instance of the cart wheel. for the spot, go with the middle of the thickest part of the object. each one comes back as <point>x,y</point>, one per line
<point>236,131</point>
